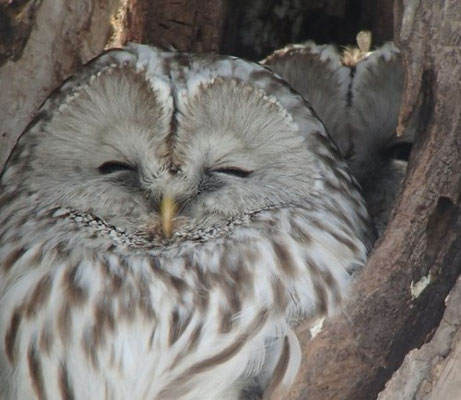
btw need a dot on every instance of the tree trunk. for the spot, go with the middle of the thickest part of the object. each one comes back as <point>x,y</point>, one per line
<point>399,298</point>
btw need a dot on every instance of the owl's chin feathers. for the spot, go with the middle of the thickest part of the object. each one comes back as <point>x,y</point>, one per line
<point>188,226</point>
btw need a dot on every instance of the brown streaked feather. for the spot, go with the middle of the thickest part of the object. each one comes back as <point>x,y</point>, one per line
<point>321,291</point>
<point>177,326</point>
<point>35,372</point>
<point>191,345</point>
<point>46,339</point>
<point>11,259</point>
<point>11,334</point>
<point>39,296</point>
<point>284,258</point>
<point>233,348</point>
<point>104,321</point>
<point>65,387</point>
<point>180,383</point>
<point>74,292</point>
<point>226,321</point>
<point>273,390</point>
<point>64,322</point>
<point>279,295</point>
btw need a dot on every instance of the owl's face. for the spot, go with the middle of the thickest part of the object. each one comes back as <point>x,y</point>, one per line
<point>125,138</point>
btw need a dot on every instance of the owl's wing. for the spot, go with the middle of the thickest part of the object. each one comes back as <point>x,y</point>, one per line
<point>316,72</point>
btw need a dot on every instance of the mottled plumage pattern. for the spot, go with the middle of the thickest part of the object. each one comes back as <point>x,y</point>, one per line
<point>97,303</point>
<point>357,95</point>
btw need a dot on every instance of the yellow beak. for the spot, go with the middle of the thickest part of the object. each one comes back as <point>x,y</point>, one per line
<point>168,211</point>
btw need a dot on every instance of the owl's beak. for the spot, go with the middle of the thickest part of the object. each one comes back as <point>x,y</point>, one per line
<point>168,211</point>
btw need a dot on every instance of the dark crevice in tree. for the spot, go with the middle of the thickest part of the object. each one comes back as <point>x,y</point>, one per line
<point>16,22</point>
<point>255,29</point>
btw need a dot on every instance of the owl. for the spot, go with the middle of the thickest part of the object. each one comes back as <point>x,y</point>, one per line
<point>164,223</point>
<point>357,94</point>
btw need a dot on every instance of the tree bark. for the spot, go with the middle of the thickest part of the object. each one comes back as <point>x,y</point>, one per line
<point>433,372</point>
<point>399,297</point>
<point>187,25</point>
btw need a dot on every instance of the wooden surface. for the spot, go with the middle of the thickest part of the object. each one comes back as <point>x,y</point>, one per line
<point>433,372</point>
<point>187,25</point>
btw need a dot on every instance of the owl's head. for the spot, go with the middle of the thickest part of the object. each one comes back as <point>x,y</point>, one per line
<point>218,135</point>
<point>357,94</point>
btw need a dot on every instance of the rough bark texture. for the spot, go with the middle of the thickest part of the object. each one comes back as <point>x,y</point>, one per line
<point>34,61</point>
<point>187,25</point>
<point>433,372</point>
<point>399,298</point>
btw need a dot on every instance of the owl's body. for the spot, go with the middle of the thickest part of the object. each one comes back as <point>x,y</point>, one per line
<point>97,302</point>
<point>357,95</point>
